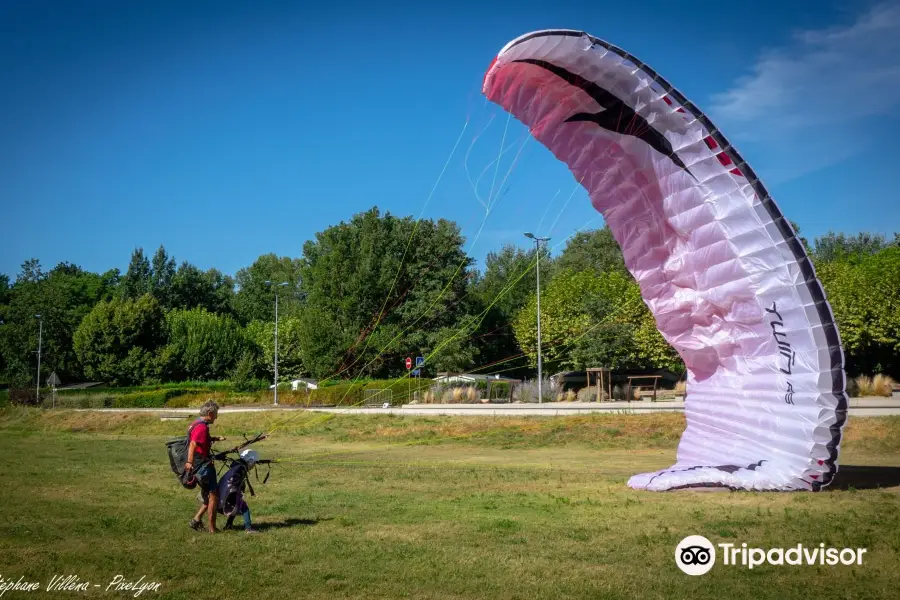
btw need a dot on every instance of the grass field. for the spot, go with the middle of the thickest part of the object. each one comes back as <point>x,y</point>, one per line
<point>427,507</point>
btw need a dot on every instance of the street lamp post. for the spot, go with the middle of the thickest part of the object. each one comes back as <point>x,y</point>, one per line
<point>537,245</point>
<point>282,284</point>
<point>37,391</point>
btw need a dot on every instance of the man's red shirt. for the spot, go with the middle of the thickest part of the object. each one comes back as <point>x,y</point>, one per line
<point>200,434</point>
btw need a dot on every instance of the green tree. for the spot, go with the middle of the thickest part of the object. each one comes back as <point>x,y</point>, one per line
<point>803,240</point>
<point>118,341</point>
<point>4,297</point>
<point>201,345</point>
<point>4,308</point>
<point>323,346</point>
<point>62,297</point>
<point>222,300</point>
<point>381,288</point>
<point>193,288</point>
<point>31,271</point>
<point>112,279</point>
<point>591,319</point>
<point>596,251</point>
<point>255,300</point>
<point>564,317</point>
<point>864,293</point>
<point>838,246</point>
<point>290,348</point>
<point>508,282</point>
<point>162,274</point>
<point>138,279</point>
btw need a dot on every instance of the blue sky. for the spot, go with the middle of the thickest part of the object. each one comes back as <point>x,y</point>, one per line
<point>225,130</point>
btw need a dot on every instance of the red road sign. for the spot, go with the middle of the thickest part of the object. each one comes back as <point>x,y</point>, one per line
<point>408,363</point>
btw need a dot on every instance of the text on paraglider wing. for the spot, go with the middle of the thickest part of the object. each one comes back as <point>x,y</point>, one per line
<point>784,349</point>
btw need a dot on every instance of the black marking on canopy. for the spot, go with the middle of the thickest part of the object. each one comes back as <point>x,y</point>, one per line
<point>724,468</point>
<point>617,116</point>
<point>829,328</point>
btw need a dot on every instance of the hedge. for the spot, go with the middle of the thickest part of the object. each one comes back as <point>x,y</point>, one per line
<point>193,386</point>
<point>154,399</point>
<point>343,393</point>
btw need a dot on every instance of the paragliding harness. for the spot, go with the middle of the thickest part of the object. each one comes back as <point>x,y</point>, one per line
<point>236,480</point>
<point>177,449</point>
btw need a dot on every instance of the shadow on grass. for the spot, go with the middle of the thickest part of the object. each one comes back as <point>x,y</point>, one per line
<point>865,478</point>
<point>287,523</point>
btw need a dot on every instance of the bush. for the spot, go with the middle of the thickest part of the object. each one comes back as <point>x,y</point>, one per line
<point>243,375</point>
<point>528,391</point>
<point>883,385</point>
<point>587,394</point>
<point>454,393</point>
<point>499,391</point>
<point>434,394</point>
<point>880,385</point>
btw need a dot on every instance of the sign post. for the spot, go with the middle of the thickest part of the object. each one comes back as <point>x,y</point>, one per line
<point>54,382</point>
<point>420,362</point>
<point>408,380</point>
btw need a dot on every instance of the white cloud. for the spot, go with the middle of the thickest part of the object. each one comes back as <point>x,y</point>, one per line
<point>813,93</point>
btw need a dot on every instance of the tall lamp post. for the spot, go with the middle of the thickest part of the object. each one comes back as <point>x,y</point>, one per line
<point>37,391</point>
<point>537,245</point>
<point>282,284</point>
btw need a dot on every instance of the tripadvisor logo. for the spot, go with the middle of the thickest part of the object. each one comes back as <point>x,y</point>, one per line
<point>696,555</point>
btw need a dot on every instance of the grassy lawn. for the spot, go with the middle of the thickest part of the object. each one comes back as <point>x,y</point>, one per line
<point>428,507</point>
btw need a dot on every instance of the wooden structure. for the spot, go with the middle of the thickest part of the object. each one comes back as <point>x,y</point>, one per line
<point>604,381</point>
<point>631,385</point>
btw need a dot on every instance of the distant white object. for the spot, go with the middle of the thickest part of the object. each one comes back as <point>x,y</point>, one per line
<point>296,384</point>
<point>311,384</point>
<point>386,405</point>
<point>470,378</point>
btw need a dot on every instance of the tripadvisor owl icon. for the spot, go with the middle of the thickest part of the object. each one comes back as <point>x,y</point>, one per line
<point>695,555</point>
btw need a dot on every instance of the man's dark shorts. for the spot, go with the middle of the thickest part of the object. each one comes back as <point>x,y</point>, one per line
<point>206,479</point>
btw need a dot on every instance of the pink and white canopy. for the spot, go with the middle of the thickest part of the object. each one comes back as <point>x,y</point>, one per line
<point>727,280</point>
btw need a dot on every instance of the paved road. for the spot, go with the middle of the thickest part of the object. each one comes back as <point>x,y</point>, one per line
<point>859,407</point>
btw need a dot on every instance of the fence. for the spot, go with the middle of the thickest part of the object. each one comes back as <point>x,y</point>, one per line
<point>378,397</point>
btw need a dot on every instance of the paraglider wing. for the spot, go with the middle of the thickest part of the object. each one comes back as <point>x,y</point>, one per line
<point>718,265</point>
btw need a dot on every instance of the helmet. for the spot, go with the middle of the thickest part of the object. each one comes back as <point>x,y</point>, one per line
<point>249,456</point>
<point>188,480</point>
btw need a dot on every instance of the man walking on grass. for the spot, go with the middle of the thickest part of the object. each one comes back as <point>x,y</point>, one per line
<point>199,455</point>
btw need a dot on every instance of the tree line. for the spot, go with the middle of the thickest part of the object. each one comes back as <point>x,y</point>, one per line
<point>371,291</point>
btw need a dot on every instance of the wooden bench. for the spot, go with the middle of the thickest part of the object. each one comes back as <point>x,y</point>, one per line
<point>174,417</point>
<point>631,387</point>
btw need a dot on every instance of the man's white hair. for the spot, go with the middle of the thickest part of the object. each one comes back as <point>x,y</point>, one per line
<point>209,408</point>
